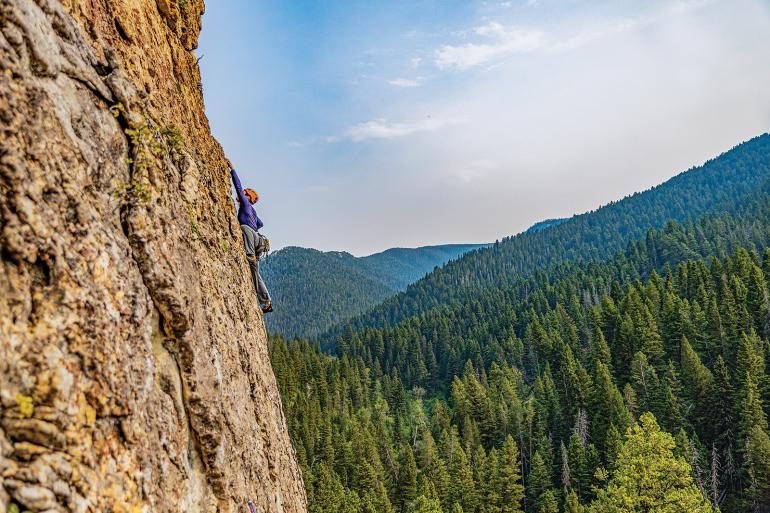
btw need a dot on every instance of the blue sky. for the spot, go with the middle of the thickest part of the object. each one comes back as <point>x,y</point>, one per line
<point>368,125</point>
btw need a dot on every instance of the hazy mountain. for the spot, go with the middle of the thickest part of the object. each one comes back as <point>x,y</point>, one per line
<point>715,187</point>
<point>314,290</point>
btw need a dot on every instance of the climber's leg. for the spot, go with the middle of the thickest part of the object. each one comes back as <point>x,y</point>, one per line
<point>249,240</point>
<point>250,244</point>
<point>262,294</point>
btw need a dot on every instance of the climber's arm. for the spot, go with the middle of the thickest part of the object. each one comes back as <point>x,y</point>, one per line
<point>238,188</point>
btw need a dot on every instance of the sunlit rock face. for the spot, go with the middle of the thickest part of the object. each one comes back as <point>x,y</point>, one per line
<point>134,374</point>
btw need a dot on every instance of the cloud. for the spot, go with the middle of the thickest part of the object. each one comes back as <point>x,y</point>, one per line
<point>472,171</point>
<point>507,42</point>
<point>406,82</point>
<point>382,129</point>
<point>492,28</point>
<point>379,129</point>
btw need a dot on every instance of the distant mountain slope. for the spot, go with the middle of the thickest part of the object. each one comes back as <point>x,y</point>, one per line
<point>399,267</point>
<point>313,290</point>
<point>713,188</point>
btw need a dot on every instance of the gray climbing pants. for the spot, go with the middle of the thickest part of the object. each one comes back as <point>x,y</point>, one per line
<point>250,243</point>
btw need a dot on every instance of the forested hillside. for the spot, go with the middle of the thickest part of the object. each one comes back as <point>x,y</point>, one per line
<point>313,290</point>
<point>633,382</point>
<point>511,404</point>
<point>715,187</point>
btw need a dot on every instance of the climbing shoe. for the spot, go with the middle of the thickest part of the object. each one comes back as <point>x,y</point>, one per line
<point>267,308</point>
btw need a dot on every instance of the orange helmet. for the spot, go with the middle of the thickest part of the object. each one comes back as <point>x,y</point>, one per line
<point>251,194</point>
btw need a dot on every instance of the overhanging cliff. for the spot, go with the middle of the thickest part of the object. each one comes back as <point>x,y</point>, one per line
<point>134,374</point>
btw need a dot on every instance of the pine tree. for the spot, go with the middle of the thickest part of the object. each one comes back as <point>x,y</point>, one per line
<point>461,488</point>
<point>572,504</point>
<point>509,478</point>
<point>492,485</point>
<point>608,404</point>
<point>538,484</point>
<point>758,457</point>
<point>433,466</point>
<point>751,412</point>
<point>406,490</point>
<point>750,358</point>
<point>600,351</point>
<point>758,301</point>
<point>672,409</point>
<point>328,491</point>
<point>644,379</point>
<point>580,474</point>
<point>548,502</point>
<point>698,382</point>
<point>426,505</point>
<point>648,477</point>
<point>614,444</point>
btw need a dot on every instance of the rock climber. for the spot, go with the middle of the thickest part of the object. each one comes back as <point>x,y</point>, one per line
<point>252,240</point>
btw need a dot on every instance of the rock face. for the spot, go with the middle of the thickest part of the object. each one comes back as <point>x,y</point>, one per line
<point>134,373</point>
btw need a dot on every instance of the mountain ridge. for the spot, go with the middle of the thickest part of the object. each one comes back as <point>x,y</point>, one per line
<point>597,233</point>
<point>312,290</point>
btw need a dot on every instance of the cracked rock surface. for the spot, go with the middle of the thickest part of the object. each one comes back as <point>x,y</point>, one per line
<point>134,373</point>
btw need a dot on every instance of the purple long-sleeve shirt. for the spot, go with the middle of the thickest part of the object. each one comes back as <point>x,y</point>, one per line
<point>246,213</point>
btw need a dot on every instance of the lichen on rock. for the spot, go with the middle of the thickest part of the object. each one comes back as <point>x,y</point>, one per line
<point>134,374</point>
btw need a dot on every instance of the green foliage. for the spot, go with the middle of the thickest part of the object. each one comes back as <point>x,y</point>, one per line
<point>572,504</point>
<point>406,489</point>
<point>172,136</point>
<point>425,505</point>
<point>648,477</point>
<point>146,150</point>
<point>758,458</point>
<point>507,479</point>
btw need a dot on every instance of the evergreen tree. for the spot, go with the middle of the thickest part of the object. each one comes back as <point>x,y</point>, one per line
<point>426,505</point>
<point>751,413</point>
<point>572,504</point>
<point>646,385</point>
<point>758,457</point>
<point>648,477</point>
<point>580,473</point>
<point>548,502</point>
<point>461,488</point>
<point>509,478</point>
<point>538,484</point>
<point>328,491</point>
<point>698,381</point>
<point>406,491</point>
<point>608,404</point>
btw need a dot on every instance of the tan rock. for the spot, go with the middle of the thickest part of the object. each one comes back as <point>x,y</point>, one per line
<point>134,373</point>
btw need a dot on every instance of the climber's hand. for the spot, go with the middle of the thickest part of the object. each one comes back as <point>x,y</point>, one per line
<point>229,164</point>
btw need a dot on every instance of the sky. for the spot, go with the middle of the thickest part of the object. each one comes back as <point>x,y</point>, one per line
<point>366,125</point>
